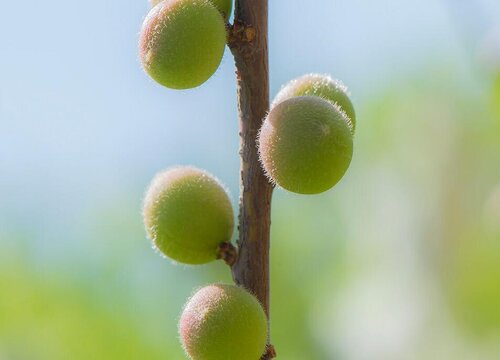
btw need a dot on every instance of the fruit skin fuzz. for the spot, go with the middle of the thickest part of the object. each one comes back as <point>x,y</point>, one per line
<point>182,42</point>
<point>305,144</point>
<point>224,6</point>
<point>323,86</point>
<point>223,322</point>
<point>187,215</point>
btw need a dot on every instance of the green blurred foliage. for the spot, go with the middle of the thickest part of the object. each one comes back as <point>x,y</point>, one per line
<point>421,198</point>
<point>58,318</point>
<point>474,286</point>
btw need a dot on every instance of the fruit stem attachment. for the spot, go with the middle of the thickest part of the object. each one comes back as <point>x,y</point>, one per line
<point>248,41</point>
<point>270,353</point>
<point>227,252</point>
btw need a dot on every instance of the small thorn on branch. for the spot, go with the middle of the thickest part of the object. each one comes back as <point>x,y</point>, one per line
<point>270,353</point>
<point>227,252</point>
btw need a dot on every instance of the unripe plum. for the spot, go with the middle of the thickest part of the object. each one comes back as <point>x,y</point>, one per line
<point>223,322</point>
<point>305,144</point>
<point>182,42</point>
<point>224,6</point>
<point>187,215</point>
<point>323,86</point>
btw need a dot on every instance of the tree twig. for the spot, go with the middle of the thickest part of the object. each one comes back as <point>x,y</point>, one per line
<point>248,41</point>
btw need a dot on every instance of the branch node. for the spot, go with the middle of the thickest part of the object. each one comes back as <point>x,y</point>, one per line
<point>270,353</point>
<point>240,36</point>
<point>227,252</point>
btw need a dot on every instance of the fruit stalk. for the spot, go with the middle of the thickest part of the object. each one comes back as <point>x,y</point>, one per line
<point>249,43</point>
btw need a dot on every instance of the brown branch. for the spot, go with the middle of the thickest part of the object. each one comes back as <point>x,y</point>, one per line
<point>240,36</point>
<point>247,39</point>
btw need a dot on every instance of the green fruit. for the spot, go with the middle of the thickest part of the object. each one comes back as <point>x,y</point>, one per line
<point>187,215</point>
<point>223,322</point>
<point>305,144</point>
<point>224,6</point>
<point>182,42</point>
<point>323,86</point>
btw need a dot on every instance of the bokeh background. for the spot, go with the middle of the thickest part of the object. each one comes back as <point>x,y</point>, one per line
<point>400,261</point>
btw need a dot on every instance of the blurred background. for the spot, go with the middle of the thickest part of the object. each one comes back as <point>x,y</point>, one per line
<point>400,261</point>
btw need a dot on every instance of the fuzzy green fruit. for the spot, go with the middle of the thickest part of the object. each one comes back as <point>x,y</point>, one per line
<point>224,6</point>
<point>182,42</point>
<point>323,86</point>
<point>187,215</point>
<point>305,144</point>
<point>223,322</point>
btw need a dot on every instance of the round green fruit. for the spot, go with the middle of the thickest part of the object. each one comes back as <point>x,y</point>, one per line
<point>224,6</point>
<point>182,42</point>
<point>323,86</point>
<point>187,215</point>
<point>223,322</point>
<point>305,144</point>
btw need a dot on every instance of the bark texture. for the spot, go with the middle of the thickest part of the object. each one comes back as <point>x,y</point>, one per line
<point>248,40</point>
